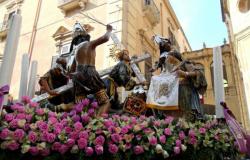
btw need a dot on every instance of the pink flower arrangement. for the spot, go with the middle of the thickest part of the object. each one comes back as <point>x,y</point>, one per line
<point>39,131</point>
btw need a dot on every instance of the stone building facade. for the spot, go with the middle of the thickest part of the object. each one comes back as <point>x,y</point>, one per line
<point>236,16</point>
<point>47,28</point>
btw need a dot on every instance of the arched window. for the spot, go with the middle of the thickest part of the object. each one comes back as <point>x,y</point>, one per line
<point>225,80</point>
<point>244,5</point>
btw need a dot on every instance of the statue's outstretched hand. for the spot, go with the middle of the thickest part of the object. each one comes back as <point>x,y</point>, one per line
<point>109,28</point>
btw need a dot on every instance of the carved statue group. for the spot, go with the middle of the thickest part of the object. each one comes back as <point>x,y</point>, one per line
<point>86,79</point>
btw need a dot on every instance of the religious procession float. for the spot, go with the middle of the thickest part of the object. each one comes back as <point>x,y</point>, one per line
<point>78,115</point>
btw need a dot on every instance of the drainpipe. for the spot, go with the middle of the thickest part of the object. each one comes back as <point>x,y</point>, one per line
<point>34,30</point>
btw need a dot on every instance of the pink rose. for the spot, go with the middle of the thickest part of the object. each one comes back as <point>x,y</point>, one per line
<point>168,120</point>
<point>33,151</point>
<point>73,135</point>
<point>42,126</point>
<point>45,152</point>
<point>52,120</point>
<point>13,145</point>
<point>9,117</point>
<point>33,104</point>
<point>84,134</point>
<point>153,140</point>
<point>20,116</point>
<point>89,151</point>
<point>142,117</point>
<point>28,117</point>
<point>51,137</point>
<point>78,126</point>
<point>128,146</point>
<point>177,150</point>
<point>85,102</point>
<point>32,137</point>
<point>71,113</point>
<point>182,135</point>
<point>116,138</point>
<point>14,123</point>
<point>14,107</point>
<point>68,130</point>
<point>178,143</point>
<point>21,109</point>
<point>113,148</point>
<point>202,130</point>
<point>138,150</point>
<point>63,149</point>
<point>70,142</point>
<point>192,141</point>
<point>94,105</point>
<point>191,133</point>
<point>82,143</point>
<point>157,123</point>
<point>167,131</point>
<point>43,136</point>
<point>57,130</point>
<point>124,130</point>
<point>78,108</point>
<point>108,123</point>
<point>99,140</point>
<point>4,133</point>
<point>18,134</point>
<point>85,118</point>
<point>99,149</point>
<point>217,137</point>
<point>56,146</point>
<point>51,114</point>
<point>163,139</point>
<point>40,111</point>
<point>91,112</point>
<point>76,118</point>
<point>26,99</point>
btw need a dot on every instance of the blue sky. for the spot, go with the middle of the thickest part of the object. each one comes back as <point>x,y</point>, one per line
<point>201,21</point>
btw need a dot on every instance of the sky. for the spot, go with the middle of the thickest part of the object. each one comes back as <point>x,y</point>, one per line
<point>201,21</point>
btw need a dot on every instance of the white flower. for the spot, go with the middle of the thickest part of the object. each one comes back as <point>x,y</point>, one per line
<point>25,148</point>
<point>74,149</point>
<point>165,154</point>
<point>21,123</point>
<point>183,147</point>
<point>158,148</point>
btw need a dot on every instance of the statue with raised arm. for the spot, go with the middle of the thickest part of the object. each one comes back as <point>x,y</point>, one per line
<point>86,79</point>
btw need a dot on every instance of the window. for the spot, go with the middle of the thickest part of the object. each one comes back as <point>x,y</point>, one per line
<point>147,2</point>
<point>225,80</point>
<point>65,49</point>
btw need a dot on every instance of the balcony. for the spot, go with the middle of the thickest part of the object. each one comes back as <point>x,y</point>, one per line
<point>68,5</point>
<point>4,29</point>
<point>151,11</point>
